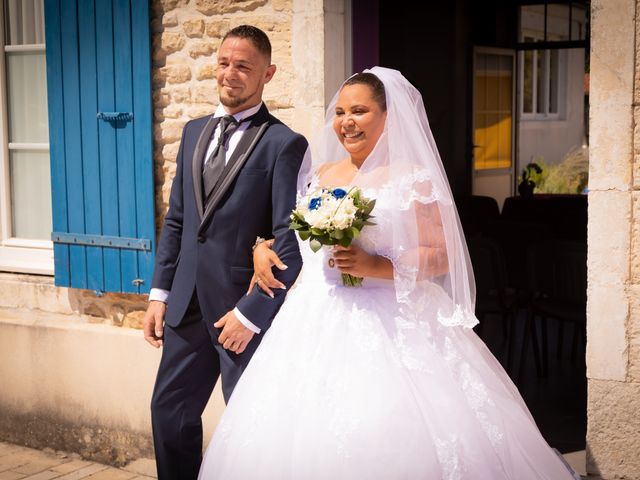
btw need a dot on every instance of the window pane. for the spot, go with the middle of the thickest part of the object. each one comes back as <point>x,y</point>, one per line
<point>30,194</point>
<point>532,20</point>
<point>540,68</point>
<point>27,97</point>
<point>553,80</point>
<point>578,22</point>
<point>24,22</point>
<point>527,87</point>
<point>558,22</point>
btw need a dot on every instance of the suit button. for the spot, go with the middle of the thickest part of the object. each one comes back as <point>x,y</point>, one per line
<point>201,238</point>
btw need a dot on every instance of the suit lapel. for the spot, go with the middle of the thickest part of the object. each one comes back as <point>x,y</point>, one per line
<point>198,161</point>
<point>242,151</point>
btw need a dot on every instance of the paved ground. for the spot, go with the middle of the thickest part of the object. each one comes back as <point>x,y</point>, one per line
<point>20,463</point>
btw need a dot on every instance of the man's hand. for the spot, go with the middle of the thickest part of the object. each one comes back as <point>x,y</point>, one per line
<point>235,336</point>
<point>154,322</point>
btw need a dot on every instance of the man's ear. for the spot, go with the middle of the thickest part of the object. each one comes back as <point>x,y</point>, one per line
<point>269,73</point>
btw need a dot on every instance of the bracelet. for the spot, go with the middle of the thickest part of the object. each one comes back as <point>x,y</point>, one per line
<point>260,240</point>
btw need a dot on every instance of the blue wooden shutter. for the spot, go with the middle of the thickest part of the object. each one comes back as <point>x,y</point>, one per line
<point>99,90</point>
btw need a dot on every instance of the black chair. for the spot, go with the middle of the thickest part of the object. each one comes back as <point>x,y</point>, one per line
<point>557,271</point>
<point>479,214</point>
<point>493,296</point>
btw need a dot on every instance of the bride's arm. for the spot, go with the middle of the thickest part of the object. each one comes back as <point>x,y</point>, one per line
<point>432,251</point>
<point>264,258</point>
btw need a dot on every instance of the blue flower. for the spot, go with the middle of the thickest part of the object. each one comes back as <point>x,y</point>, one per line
<point>315,203</point>
<point>339,193</point>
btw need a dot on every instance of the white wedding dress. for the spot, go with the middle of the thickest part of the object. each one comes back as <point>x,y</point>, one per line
<point>344,387</point>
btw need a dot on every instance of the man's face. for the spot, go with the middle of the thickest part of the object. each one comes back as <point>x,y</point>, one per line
<point>242,72</point>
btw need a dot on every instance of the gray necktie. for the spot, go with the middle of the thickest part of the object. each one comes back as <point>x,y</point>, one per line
<point>215,164</point>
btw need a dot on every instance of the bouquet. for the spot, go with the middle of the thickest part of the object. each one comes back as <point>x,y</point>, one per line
<point>332,216</point>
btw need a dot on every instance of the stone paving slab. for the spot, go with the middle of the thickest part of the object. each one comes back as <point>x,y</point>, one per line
<point>22,463</point>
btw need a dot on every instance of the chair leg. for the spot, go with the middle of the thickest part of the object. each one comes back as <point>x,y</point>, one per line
<point>536,347</point>
<point>560,340</point>
<point>529,330</point>
<point>544,351</point>
<point>511,340</point>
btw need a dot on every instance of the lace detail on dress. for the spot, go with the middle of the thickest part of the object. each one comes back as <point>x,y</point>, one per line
<point>459,317</point>
<point>449,458</point>
<point>415,186</point>
<point>477,396</point>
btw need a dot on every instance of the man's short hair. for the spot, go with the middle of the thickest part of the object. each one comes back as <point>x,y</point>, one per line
<point>259,39</point>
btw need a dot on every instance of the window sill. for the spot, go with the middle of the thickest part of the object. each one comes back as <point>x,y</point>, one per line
<point>26,257</point>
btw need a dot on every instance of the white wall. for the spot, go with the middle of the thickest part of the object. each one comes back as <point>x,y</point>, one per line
<point>551,139</point>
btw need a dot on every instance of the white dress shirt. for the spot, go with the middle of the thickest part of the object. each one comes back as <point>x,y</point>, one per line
<point>162,295</point>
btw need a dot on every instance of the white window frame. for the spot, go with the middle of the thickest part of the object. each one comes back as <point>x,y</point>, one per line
<point>560,85</point>
<point>21,255</point>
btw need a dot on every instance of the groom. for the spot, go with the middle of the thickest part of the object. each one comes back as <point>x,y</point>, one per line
<point>235,181</point>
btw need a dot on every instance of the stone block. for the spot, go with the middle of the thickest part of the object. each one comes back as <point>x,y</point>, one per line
<point>611,94</point>
<point>172,130</point>
<point>200,110</point>
<point>217,28</point>
<point>172,111</point>
<point>204,94</point>
<point>282,5</point>
<point>180,94</point>
<point>176,73</point>
<point>193,28</point>
<point>633,334</point>
<point>202,48</point>
<point>613,442</point>
<point>221,7</point>
<point>609,237</point>
<point>170,19</point>
<point>206,72</point>
<point>607,315</point>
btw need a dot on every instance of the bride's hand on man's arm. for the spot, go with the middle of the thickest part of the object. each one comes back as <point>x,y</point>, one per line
<point>355,261</point>
<point>264,258</point>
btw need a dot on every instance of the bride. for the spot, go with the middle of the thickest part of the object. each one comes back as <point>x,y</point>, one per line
<point>387,380</point>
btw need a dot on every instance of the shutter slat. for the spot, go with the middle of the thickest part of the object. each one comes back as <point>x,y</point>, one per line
<point>73,140</point>
<point>126,167</point>
<point>56,132</point>
<point>143,130</point>
<point>91,158</point>
<point>107,138</point>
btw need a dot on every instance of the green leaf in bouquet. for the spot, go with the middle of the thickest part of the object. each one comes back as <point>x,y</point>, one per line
<point>317,232</point>
<point>326,239</point>
<point>304,234</point>
<point>357,223</point>
<point>368,222</point>
<point>337,234</point>
<point>315,245</point>
<point>345,241</point>
<point>369,206</point>
<point>355,232</point>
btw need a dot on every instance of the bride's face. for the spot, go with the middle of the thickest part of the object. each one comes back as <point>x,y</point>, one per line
<point>359,120</point>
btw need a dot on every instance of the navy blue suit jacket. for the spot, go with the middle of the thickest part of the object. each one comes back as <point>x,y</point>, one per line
<point>206,244</point>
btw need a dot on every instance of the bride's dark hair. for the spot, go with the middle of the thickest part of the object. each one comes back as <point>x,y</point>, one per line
<point>372,81</point>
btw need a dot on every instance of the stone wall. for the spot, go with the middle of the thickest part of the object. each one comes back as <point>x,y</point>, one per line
<point>613,351</point>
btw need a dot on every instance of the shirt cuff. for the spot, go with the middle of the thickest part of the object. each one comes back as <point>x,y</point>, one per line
<point>158,294</point>
<point>245,321</point>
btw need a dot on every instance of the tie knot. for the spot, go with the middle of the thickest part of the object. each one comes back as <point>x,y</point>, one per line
<point>226,122</point>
